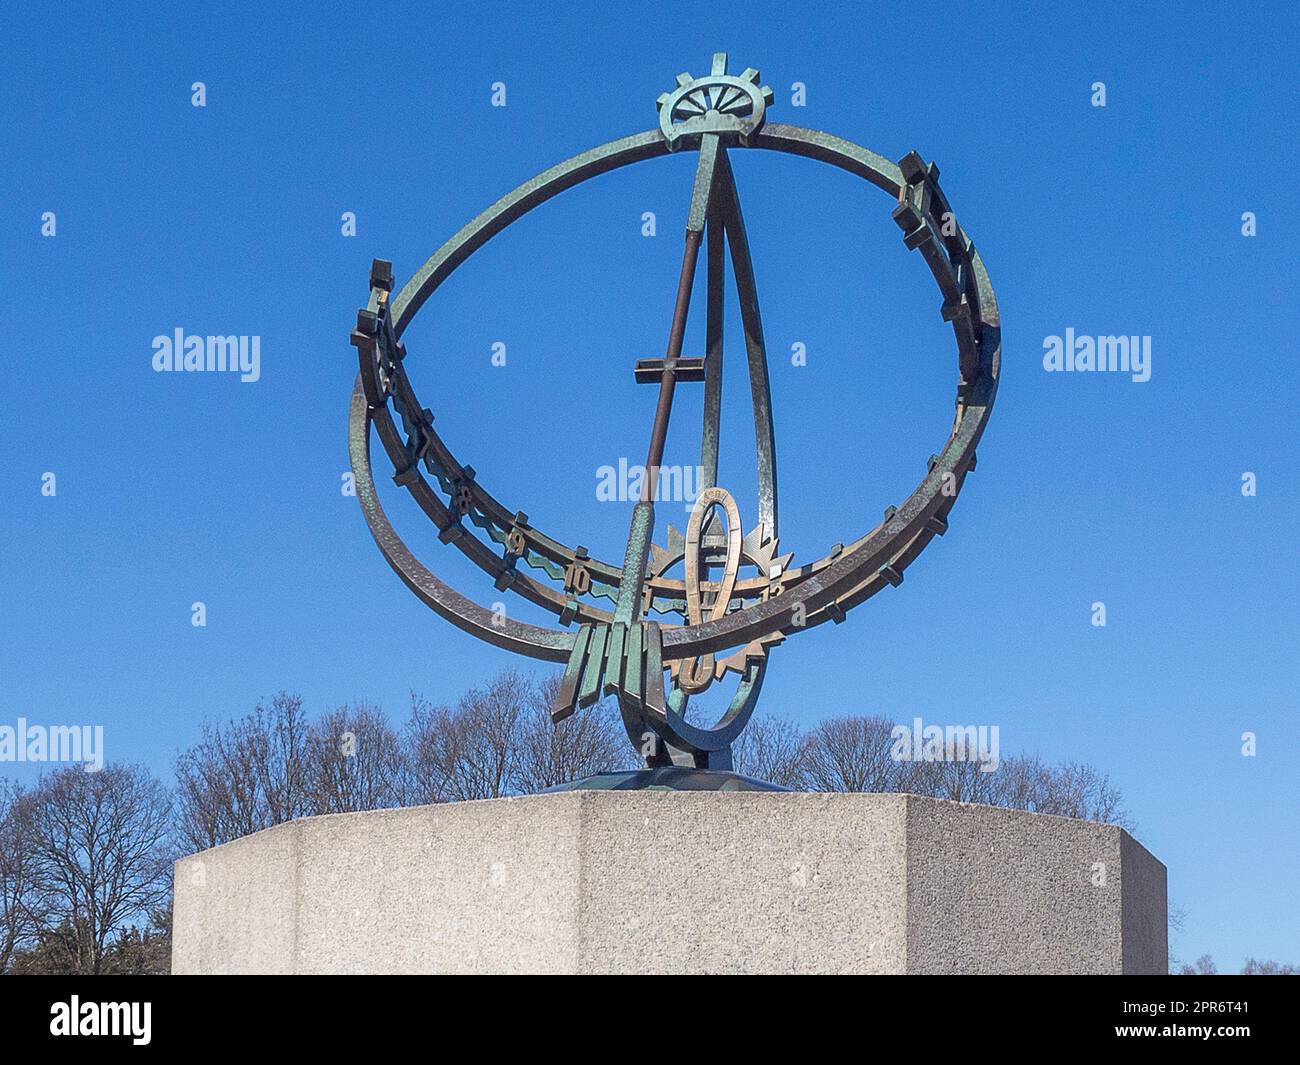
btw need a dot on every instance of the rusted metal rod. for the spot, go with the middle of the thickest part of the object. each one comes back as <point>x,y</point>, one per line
<point>668,381</point>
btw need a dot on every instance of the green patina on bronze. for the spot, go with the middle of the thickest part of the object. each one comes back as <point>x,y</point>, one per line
<point>625,652</point>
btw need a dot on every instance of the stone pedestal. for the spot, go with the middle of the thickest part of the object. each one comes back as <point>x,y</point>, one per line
<point>614,882</point>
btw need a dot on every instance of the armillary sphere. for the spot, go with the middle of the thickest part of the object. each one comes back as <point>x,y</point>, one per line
<point>736,596</point>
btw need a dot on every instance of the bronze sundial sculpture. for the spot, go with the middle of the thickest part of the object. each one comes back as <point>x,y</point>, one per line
<point>729,624</point>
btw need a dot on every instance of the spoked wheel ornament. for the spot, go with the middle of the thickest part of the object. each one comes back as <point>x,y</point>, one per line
<point>725,592</point>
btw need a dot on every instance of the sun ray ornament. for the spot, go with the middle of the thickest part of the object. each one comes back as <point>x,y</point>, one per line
<point>738,595</point>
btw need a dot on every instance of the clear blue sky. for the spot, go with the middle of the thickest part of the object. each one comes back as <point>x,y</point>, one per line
<point>226,220</point>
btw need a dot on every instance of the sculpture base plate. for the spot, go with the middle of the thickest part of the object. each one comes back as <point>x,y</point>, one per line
<point>627,881</point>
<point>667,778</point>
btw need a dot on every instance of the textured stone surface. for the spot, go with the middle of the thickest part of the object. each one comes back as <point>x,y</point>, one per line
<point>602,881</point>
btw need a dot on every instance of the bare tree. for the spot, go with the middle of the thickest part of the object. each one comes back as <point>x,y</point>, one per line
<point>851,754</point>
<point>279,738</point>
<point>468,752</point>
<point>425,750</point>
<point>103,851</point>
<point>211,805</point>
<point>144,950</point>
<point>1177,921</point>
<point>587,742</point>
<point>244,776</point>
<point>1068,790</point>
<point>772,748</point>
<point>857,754</point>
<point>24,905</point>
<point>957,780</point>
<point>1254,967</point>
<point>1205,967</point>
<point>355,761</point>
